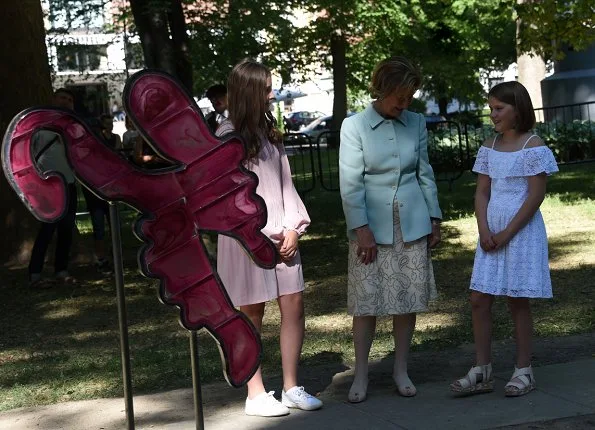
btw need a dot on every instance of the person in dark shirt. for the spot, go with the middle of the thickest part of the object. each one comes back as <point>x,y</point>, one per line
<point>107,126</point>
<point>217,95</point>
<point>99,209</point>
<point>50,156</point>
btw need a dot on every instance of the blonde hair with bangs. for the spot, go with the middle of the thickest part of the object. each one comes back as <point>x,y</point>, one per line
<point>392,73</point>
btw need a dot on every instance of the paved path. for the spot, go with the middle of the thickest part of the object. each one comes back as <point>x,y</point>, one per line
<point>565,394</point>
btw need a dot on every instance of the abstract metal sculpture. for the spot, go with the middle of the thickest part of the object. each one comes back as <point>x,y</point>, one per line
<point>207,189</point>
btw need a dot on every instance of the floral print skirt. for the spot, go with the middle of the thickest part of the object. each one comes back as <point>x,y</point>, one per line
<point>399,281</point>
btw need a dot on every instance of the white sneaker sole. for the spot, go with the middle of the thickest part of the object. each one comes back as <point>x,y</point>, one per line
<point>268,415</point>
<point>293,405</point>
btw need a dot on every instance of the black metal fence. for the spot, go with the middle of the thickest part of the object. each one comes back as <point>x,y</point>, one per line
<point>568,130</point>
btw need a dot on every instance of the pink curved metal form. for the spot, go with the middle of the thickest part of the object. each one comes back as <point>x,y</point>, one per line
<point>207,190</point>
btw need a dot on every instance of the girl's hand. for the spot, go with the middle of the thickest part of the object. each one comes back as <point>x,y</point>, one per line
<point>366,245</point>
<point>435,237</point>
<point>502,238</point>
<point>289,247</point>
<point>486,241</point>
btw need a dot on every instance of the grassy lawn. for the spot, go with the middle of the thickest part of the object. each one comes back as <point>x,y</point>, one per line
<point>62,344</point>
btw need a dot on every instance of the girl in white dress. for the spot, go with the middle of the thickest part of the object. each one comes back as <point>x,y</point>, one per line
<point>512,253</point>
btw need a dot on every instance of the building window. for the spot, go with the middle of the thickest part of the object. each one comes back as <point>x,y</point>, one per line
<point>78,58</point>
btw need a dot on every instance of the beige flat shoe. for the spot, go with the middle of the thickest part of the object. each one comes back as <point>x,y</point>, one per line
<point>357,394</point>
<point>405,388</point>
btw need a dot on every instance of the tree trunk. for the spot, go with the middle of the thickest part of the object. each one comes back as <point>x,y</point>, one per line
<point>443,106</point>
<point>338,52</point>
<point>179,36</point>
<point>25,81</point>
<point>530,69</point>
<point>150,18</point>
<point>234,51</point>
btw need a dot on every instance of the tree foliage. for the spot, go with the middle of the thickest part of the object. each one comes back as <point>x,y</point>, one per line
<point>223,32</point>
<point>452,40</point>
<point>457,41</point>
<point>349,37</point>
<point>161,27</point>
<point>546,26</point>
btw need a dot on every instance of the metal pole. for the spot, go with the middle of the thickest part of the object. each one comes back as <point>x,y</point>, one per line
<point>122,319</point>
<point>126,49</point>
<point>198,413</point>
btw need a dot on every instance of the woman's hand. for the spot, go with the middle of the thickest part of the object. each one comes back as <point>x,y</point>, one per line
<point>435,237</point>
<point>486,240</point>
<point>501,239</point>
<point>289,246</point>
<point>366,245</point>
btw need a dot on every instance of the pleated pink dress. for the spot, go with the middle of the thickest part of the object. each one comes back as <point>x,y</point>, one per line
<point>245,282</point>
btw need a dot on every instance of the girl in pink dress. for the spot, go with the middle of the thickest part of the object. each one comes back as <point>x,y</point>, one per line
<point>249,286</point>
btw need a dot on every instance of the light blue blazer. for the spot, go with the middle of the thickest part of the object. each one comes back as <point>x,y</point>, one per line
<point>379,158</point>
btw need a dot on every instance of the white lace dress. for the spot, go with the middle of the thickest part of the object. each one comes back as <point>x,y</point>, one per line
<point>520,269</point>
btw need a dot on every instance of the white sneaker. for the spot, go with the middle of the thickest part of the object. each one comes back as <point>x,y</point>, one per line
<point>297,397</point>
<point>265,405</point>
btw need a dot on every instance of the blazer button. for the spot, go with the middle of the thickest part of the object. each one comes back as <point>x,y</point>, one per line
<point>401,205</point>
<point>394,187</point>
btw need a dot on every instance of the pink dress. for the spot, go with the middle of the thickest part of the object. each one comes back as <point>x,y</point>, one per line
<point>245,282</point>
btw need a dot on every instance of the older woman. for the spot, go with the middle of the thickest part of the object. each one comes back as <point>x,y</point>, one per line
<point>393,217</point>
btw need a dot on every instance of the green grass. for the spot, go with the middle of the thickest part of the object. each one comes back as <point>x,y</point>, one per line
<point>62,344</point>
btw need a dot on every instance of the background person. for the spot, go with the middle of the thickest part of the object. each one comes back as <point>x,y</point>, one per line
<point>217,95</point>
<point>49,154</point>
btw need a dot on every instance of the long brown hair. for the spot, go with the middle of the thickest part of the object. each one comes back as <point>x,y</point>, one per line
<point>248,108</point>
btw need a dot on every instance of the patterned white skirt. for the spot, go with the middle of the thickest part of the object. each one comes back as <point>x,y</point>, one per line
<point>399,281</point>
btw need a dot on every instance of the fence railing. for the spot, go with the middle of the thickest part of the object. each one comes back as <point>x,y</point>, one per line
<point>327,153</point>
<point>298,147</point>
<point>451,145</point>
<point>566,113</point>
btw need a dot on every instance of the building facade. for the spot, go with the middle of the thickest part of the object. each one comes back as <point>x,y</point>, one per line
<point>87,55</point>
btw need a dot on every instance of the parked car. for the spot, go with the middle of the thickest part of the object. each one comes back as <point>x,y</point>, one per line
<point>435,122</point>
<point>325,123</point>
<point>316,128</point>
<point>296,120</point>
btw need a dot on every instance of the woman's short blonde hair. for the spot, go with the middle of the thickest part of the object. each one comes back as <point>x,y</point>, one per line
<point>392,73</point>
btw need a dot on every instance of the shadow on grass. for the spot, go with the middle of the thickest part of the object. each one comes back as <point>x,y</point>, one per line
<point>66,338</point>
<point>573,183</point>
<point>559,247</point>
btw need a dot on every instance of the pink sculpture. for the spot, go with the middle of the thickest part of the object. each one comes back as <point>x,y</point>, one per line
<point>207,190</point>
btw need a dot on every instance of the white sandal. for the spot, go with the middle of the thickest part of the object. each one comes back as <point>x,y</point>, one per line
<point>521,383</point>
<point>478,380</point>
